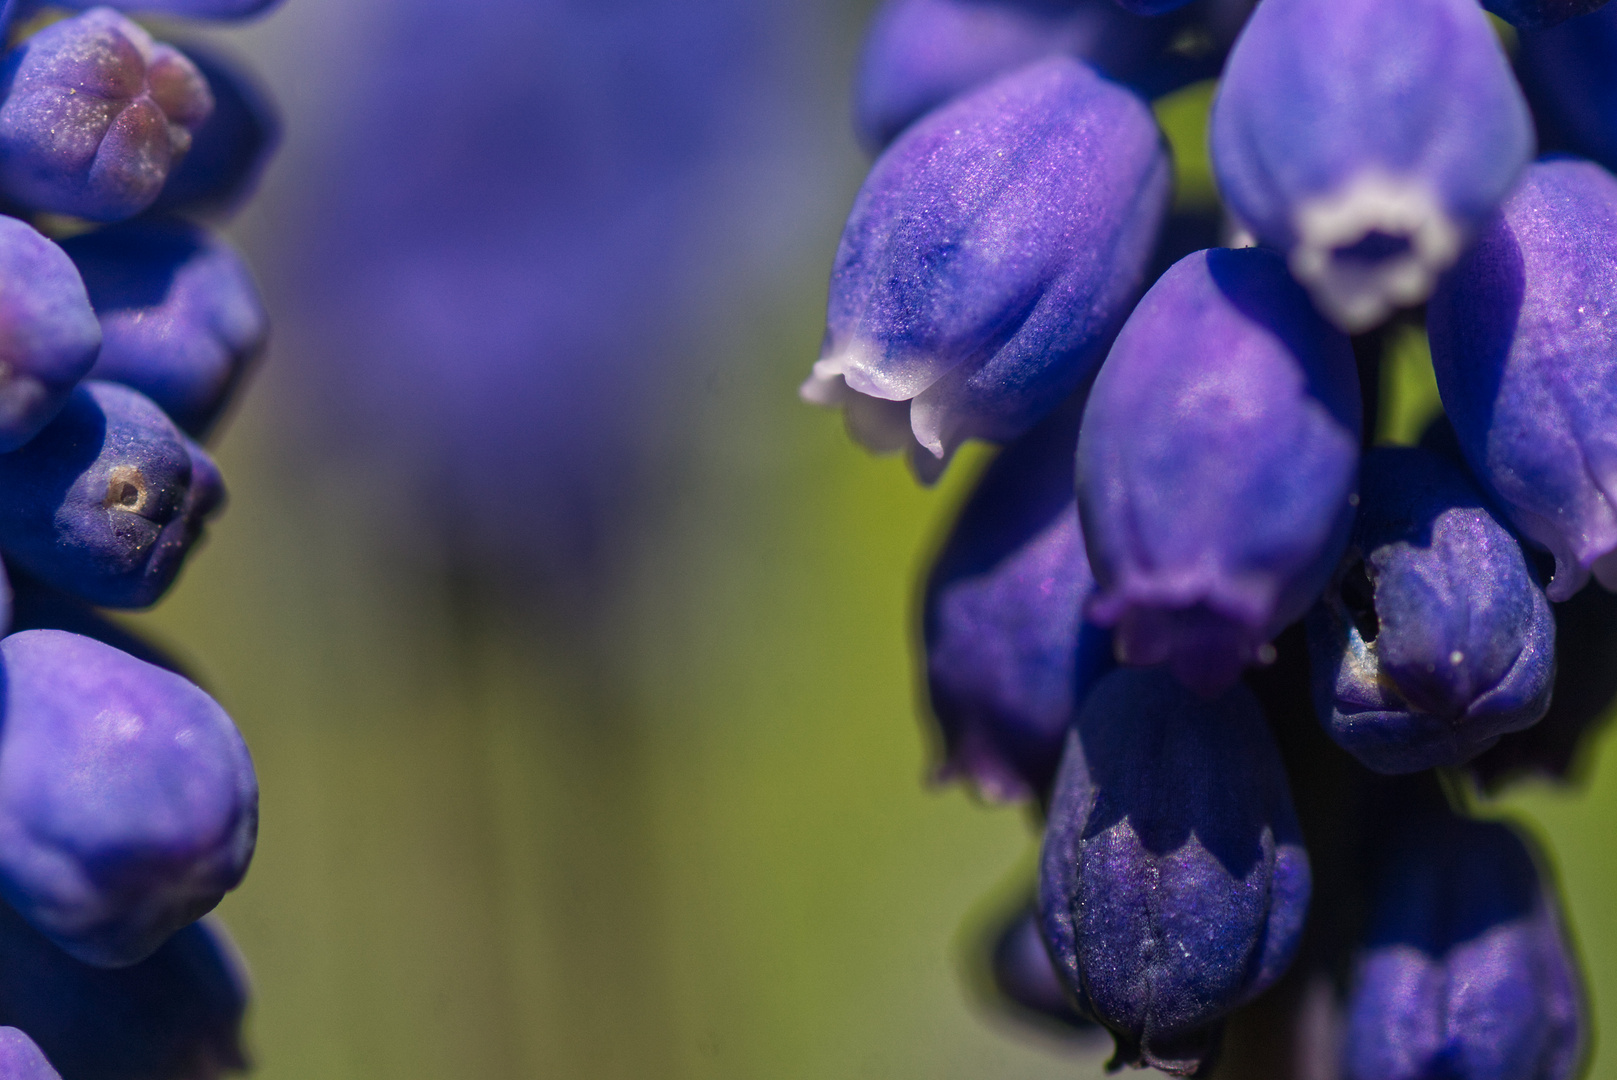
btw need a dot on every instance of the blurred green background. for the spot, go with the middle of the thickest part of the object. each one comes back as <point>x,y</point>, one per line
<point>691,841</point>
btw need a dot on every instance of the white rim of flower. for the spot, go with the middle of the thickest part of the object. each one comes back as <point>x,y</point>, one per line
<point>1357,296</point>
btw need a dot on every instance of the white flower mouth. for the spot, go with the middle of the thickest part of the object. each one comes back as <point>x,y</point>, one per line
<point>1375,244</point>
<point>882,425</point>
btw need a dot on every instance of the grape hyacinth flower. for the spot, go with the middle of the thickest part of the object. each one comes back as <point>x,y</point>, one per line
<point>1009,655</point>
<point>181,319</point>
<point>128,804</point>
<point>1524,343</point>
<point>1368,140</point>
<point>988,261</point>
<point>1216,466</point>
<point>48,333</point>
<point>1173,879</point>
<point>232,147</point>
<point>1437,639</point>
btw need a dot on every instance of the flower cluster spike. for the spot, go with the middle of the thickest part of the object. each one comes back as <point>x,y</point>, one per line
<point>1186,480</point>
<point>128,800</point>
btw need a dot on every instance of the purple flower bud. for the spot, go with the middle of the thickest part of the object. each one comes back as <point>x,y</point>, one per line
<point>95,115</point>
<point>920,53</point>
<point>229,151</point>
<point>1173,879</point>
<point>1570,75</point>
<point>1025,977</point>
<point>1008,654</point>
<point>1368,139</point>
<point>1538,14</point>
<point>1437,639</point>
<point>1524,343</point>
<point>106,502</point>
<point>48,334</point>
<point>180,316</point>
<point>988,260</point>
<point>128,805</point>
<point>1585,690</point>
<point>1465,973</point>
<point>20,1059</point>
<point>1216,466</point>
<point>176,1015</point>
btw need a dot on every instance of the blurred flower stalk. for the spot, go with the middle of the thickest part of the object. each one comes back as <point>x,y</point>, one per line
<point>1254,673</point>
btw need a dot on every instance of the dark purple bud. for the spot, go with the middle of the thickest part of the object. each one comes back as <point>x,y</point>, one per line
<point>1585,691</point>
<point>128,804</point>
<point>229,151</point>
<point>1436,639</point>
<point>988,261</point>
<point>1025,977</point>
<point>106,502</point>
<point>921,53</point>
<point>1173,879</point>
<point>48,334</point>
<point>1570,75</point>
<point>1216,466</point>
<point>20,1059</point>
<point>1539,14</point>
<point>1008,654</point>
<point>176,1015</point>
<point>1524,343</point>
<point>95,115</point>
<point>1465,973</point>
<point>1368,139</point>
<point>181,319</point>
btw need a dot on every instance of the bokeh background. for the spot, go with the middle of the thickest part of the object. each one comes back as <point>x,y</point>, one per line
<point>574,653</point>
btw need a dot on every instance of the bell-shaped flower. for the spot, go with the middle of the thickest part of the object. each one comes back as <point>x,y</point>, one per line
<point>1436,639</point>
<point>1540,14</point>
<point>989,259</point>
<point>181,319</point>
<point>1173,879</point>
<point>95,114</point>
<point>229,151</point>
<point>1585,690</point>
<point>1524,343</point>
<point>1008,653</point>
<point>176,1014</point>
<point>106,502</point>
<point>1216,466</point>
<point>1368,140</point>
<point>128,804</point>
<point>48,332</point>
<point>20,1059</point>
<point>1570,75</point>
<point>1465,972</point>
<point>918,54</point>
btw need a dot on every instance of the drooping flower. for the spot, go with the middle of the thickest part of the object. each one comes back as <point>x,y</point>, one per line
<point>1216,466</point>
<point>989,258</point>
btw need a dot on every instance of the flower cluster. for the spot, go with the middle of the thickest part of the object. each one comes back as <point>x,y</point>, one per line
<point>1250,667</point>
<point>128,801</point>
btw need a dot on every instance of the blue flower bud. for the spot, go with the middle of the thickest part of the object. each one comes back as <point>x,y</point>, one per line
<point>20,1059</point>
<point>180,316</point>
<point>229,151</point>
<point>1570,75</point>
<point>1465,973</point>
<point>988,261</point>
<point>128,805</point>
<point>1173,879</point>
<point>1437,639</point>
<point>1557,747</point>
<point>95,115</point>
<point>1524,343</point>
<point>1368,139</point>
<point>1539,14</point>
<point>920,53</point>
<point>1025,976</point>
<point>176,1014</point>
<point>1008,655</point>
<point>106,502</point>
<point>48,334</point>
<point>1216,466</point>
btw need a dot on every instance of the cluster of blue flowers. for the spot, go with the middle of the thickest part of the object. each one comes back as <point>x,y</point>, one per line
<point>1247,666</point>
<point>128,801</point>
